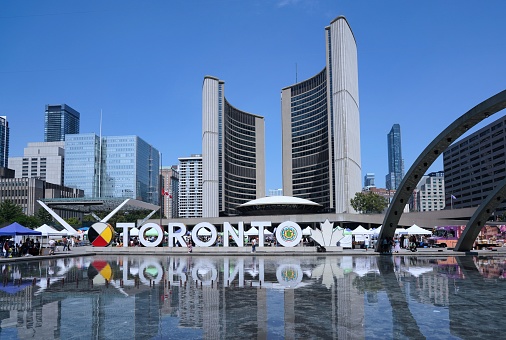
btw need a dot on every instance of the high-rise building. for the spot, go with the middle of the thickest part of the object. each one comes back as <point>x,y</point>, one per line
<point>4,142</point>
<point>431,192</point>
<point>474,165</point>
<point>369,180</point>
<point>59,121</point>
<point>112,167</point>
<point>190,186</point>
<point>233,149</point>
<point>170,191</point>
<point>321,127</point>
<point>395,162</point>
<point>41,160</point>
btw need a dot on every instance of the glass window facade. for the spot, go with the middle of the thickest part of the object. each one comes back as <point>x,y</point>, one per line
<point>59,121</point>
<point>4,142</point>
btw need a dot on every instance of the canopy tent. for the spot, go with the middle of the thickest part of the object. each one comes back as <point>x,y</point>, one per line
<point>49,231</point>
<point>400,231</point>
<point>16,229</point>
<point>151,232</point>
<point>134,232</point>
<point>377,231</point>
<point>416,230</point>
<point>361,231</point>
<point>251,232</point>
<point>203,232</point>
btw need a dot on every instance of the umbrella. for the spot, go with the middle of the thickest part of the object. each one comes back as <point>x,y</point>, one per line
<point>17,229</point>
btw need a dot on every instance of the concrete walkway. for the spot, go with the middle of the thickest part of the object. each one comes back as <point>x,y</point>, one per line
<point>246,251</point>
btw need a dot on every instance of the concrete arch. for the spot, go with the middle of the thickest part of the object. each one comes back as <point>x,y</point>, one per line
<point>480,216</point>
<point>456,129</point>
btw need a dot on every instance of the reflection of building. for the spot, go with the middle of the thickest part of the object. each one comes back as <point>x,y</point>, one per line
<point>233,158</point>
<point>41,160</point>
<point>112,167</point>
<point>321,128</point>
<point>60,120</point>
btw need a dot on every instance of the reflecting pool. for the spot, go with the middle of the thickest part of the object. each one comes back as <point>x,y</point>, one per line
<point>195,297</point>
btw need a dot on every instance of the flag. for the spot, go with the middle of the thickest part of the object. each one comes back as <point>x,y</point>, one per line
<point>454,198</point>
<point>165,193</point>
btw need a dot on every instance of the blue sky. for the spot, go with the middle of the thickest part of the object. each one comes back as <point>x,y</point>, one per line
<point>422,64</point>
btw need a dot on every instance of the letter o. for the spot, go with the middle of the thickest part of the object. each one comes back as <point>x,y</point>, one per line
<point>195,231</point>
<point>288,234</point>
<point>143,229</point>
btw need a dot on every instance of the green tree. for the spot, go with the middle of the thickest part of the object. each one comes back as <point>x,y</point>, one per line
<point>31,222</point>
<point>44,216</point>
<point>73,221</point>
<point>10,212</point>
<point>369,203</point>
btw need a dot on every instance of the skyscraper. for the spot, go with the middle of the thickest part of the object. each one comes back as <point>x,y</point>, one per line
<point>395,161</point>
<point>369,180</point>
<point>190,186</point>
<point>321,127</point>
<point>170,190</point>
<point>60,120</point>
<point>233,158</point>
<point>4,142</point>
<point>112,167</point>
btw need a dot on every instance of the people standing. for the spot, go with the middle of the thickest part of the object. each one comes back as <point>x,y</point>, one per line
<point>253,245</point>
<point>397,247</point>
<point>366,243</point>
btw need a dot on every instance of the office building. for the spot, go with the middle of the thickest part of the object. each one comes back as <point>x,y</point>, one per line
<point>43,160</point>
<point>431,192</point>
<point>321,127</point>
<point>4,142</point>
<point>474,165</point>
<point>369,180</point>
<point>25,192</point>
<point>233,152</point>
<point>395,162</point>
<point>190,186</point>
<point>59,121</point>
<point>112,167</point>
<point>170,191</point>
<point>275,192</point>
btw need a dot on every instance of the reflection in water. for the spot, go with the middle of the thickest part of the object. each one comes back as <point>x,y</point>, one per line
<point>253,297</point>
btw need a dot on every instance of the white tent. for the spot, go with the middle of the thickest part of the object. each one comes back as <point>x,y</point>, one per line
<point>400,231</point>
<point>134,232</point>
<point>203,232</point>
<point>361,231</point>
<point>416,230</point>
<point>48,231</point>
<point>377,231</point>
<point>251,232</point>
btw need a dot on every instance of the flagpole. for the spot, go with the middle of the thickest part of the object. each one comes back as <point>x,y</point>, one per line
<point>451,201</point>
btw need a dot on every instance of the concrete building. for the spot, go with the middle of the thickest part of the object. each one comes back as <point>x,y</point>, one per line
<point>395,162</point>
<point>43,160</point>
<point>4,142</point>
<point>170,190</point>
<point>321,127</point>
<point>431,192</point>
<point>190,186</point>
<point>59,121</point>
<point>26,191</point>
<point>474,165</point>
<point>112,167</point>
<point>233,152</point>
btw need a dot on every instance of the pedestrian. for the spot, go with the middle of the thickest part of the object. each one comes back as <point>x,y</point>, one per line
<point>253,245</point>
<point>189,245</point>
<point>397,247</point>
<point>366,243</point>
<point>52,246</point>
<point>6,248</point>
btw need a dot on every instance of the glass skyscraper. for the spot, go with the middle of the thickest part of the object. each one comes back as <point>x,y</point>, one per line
<point>4,142</point>
<point>321,127</point>
<point>395,162</point>
<point>59,121</point>
<point>112,167</point>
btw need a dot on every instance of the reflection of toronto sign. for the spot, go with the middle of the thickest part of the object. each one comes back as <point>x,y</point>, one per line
<point>288,234</point>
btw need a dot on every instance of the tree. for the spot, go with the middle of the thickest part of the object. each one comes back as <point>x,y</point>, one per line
<point>369,203</point>
<point>44,216</point>
<point>10,212</point>
<point>73,221</point>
